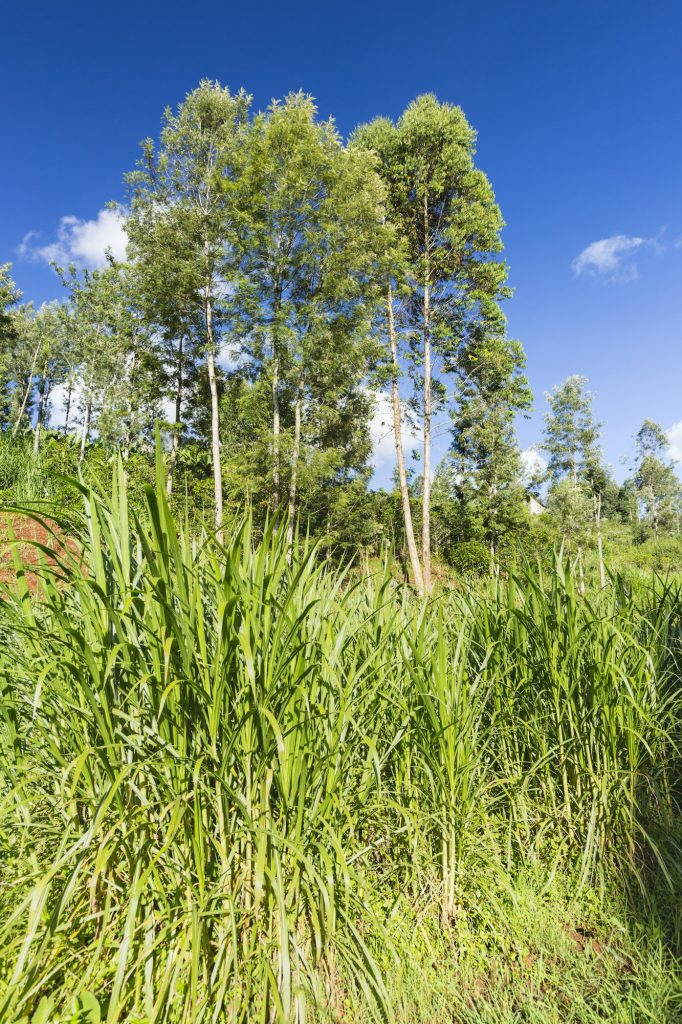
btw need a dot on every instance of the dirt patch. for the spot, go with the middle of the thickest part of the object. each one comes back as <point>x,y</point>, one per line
<point>31,538</point>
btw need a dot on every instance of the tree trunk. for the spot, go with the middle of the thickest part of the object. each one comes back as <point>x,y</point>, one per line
<point>654,510</point>
<point>67,411</point>
<point>276,421</point>
<point>125,454</point>
<point>581,571</point>
<point>175,445</point>
<point>400,455</point>
<point>39,418</point>
<point>275,433</point>
<point>215,422</point>
<point>295,454</point>
<point>426,487</point>
<point>85,433</point>
<point>600,544</point>
<point>127,437</point>
<point>27,392</point>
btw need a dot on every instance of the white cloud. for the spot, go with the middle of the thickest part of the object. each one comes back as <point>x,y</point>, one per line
<point>610,257</point>
<point>167,410</point>
<point>532,463</point>
<point>381,432</point>
<point>58,401</point>
<point>84,242</point>
<point>675,441</point>
<point>228,358</point>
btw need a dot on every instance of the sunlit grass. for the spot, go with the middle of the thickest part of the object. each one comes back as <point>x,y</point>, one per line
<point>241,785</point>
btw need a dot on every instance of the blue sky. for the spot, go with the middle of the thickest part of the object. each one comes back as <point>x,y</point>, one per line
<point>577,107</point>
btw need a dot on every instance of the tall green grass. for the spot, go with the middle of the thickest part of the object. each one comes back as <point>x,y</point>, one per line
<point>230,773</point>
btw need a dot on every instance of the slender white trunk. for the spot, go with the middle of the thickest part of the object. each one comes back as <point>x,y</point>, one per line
<point>276,421</point>
<point>600,544</point>
<point>128,435</point>
<point>426,489</point>
<point>215,420</point>
<point>653,506</point>
<point>295,455</point>
<point>85,433</point>
<point>399,454</point>
<point>67,411</point>
<point>275,433</point>
<point>581,571</point>
<point>39,418</point>
<point>175,444</point>
<point>126,454</point>
<point>27,391</point>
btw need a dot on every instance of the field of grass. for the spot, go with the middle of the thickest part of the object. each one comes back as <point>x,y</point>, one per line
<point>243,785</point>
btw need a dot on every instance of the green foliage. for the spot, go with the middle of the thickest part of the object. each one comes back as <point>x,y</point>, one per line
<point>571,510</point>
<point>240,783</point>
<point>9,298</point>
<point>492,391</point>
<point>470,558</point>
<point>442,263</point>
<point>658,489</point>
<point>571,435</point>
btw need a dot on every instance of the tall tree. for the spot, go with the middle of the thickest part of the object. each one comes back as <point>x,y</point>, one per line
<point>132,401</point>
<point>51,328</point>
<point>184,195</point>
<point>94,300</point>
<point>574,464</point>
<point>312,244</point>
<point>10,296</point>
<point>380,137</point>
<point>571,434</point>
<point>491,389</point>
<point>658,488</point>
<point>445,214</point>
<point>21,358</point>
<point>165,294</point>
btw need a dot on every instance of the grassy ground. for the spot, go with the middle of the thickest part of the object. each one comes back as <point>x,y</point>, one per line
<point>239,785</point>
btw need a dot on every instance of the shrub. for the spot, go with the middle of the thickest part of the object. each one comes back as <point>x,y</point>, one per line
<point>470,558</point>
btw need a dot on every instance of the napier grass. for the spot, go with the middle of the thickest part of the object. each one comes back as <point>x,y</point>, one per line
<point>238,784</point>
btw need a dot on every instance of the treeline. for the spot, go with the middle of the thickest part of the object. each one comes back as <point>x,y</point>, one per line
<point>277,280</point>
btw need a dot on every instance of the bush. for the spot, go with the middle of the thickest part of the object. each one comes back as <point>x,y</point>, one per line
<point>470,558</point>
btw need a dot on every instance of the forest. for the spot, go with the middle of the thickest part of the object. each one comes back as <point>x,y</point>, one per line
<point>279,744</point>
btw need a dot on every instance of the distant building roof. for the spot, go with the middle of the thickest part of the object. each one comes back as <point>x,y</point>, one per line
<point>535,506</point>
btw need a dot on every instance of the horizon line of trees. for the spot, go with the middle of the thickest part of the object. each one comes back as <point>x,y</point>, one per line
<point>276,278</point>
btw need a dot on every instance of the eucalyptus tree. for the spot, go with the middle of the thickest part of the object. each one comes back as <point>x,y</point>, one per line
<point>571,434</point>
<point>98,345</point>
<point>183,217</point>
<point>107,356</point>
<point>51,328</point>
<point>10,296</point>
<point>132,402</point>
<point>449,224</point>
<point>575,462</point>
<point>658,488</point>
<point>34,361</point>
<point>380,137</point>
<point>312,243</point>
<point>20,358</point>
<point>166,298</point>
<point>491,390</point>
